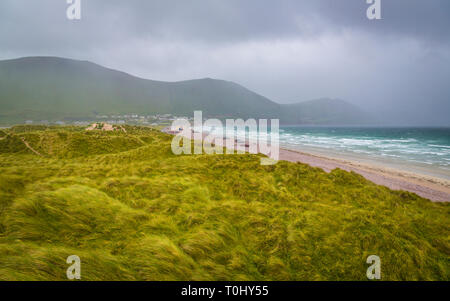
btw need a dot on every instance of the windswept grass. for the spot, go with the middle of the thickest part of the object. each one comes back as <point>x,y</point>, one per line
<point>134,211</point>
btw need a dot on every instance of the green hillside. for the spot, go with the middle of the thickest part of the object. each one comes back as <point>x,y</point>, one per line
<point>134,211</point>
<point>48,88</point>
<point>39,88</point>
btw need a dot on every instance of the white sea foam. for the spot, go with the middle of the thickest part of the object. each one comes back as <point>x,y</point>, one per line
<point>381,146</point>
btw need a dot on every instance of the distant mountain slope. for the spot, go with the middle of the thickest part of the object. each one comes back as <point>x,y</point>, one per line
<point>324,111</point>
<point>50,88</point>
<point>44,87</point>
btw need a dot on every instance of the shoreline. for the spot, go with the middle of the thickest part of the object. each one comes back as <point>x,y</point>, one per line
<point>432,188</point>
<point>429,187</point>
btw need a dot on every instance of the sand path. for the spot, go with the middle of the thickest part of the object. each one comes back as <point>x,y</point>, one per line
<point>29,147</point>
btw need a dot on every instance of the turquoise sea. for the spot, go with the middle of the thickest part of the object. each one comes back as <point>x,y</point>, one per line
<point>422,150</point>
<point>418,150</point>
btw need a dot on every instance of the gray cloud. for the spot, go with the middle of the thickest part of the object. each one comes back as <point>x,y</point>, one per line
<point>288,50</point>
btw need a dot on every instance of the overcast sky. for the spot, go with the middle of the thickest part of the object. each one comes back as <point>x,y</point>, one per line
<point>286,50</point>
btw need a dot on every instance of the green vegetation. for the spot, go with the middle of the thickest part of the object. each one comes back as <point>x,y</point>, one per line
<point>134,211</point>
<point>53,89</point>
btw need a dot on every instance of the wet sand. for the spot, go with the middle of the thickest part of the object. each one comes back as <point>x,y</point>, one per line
<point>432,188</point>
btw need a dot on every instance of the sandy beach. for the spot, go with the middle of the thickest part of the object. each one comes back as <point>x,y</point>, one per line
<point>432,188</point>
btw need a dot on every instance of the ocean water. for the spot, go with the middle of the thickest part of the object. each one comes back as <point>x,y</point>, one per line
<point>418,150</point>
<point>421,150</point>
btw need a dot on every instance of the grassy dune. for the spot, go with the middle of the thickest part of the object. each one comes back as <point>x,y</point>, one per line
<point>134,211</point>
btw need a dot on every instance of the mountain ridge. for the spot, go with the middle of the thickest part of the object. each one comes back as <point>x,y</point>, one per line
<point>55,88</point>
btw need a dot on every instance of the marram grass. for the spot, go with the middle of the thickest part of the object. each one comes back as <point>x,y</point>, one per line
<point>131,210</point>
